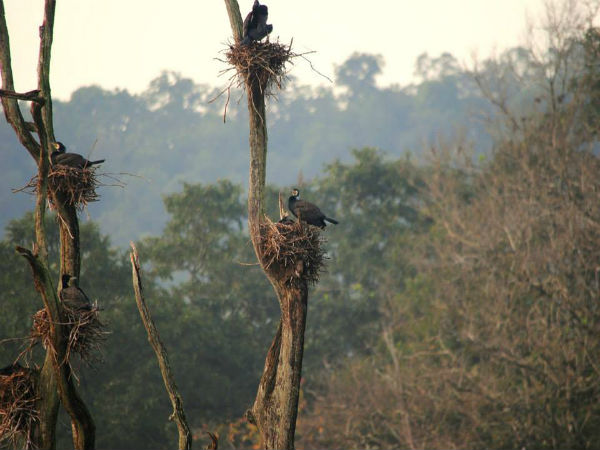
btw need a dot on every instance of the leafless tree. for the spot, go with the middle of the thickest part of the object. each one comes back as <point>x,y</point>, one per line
<point>56,381</point>
<point>289,270</point>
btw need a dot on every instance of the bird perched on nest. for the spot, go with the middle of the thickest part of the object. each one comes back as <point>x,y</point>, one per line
<point>307,211</point>
<point>72,295</point>
<point>60,157</point>
<point>255,24</point>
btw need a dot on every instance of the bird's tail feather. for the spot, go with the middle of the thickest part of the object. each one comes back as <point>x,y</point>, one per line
<point>98,161</point>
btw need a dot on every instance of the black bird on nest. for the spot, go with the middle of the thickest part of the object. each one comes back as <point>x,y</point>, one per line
<point>72,295</point>
<point>307,211</point>
<point>255,24</point>
<point>60,157</point>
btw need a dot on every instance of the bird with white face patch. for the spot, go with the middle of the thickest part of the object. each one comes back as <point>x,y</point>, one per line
<point>60,157</point>
<point>308,212</point>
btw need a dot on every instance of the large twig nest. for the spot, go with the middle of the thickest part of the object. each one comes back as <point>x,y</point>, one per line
<point>293,250</point>
<point>17,405</point>
<point>77,186</point>
<point>86,332</point>
<point>264,61</point>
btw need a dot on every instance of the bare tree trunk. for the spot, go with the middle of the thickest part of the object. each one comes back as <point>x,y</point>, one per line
<point>276,405</point>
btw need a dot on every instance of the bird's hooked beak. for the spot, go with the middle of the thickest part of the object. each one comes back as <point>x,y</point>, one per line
<point>56,145</point>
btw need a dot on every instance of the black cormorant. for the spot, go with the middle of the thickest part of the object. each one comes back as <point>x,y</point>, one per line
<point>60,157</point>
<point>255,25</point>
<point>307,211</point>
<point>72,296</point>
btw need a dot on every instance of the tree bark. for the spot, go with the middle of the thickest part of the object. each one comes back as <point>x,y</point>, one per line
<point>70,253</point>
<point>275,408</point>
<point>235,19</point>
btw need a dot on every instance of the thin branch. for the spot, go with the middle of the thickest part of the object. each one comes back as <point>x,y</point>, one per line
<point>185,436</point>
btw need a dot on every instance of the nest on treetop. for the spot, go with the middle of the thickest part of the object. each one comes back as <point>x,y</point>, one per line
<point>263,61</point>
<point>17,405</point>
<point>293,250</point>
<point>86,332</point>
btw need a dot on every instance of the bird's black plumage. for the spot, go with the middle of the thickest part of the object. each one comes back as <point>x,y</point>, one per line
<point>72,296</point>
<point>60,157</point>
<point>255,24</point>
<point>307,212</point>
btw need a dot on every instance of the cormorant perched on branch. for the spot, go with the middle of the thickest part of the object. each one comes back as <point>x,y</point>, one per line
<point>60,157</point>
<point>72,296</point>
<point>307,211</point>
<point>255,24</point>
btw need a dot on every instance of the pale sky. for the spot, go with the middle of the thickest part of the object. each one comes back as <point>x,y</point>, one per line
<point>127,43</point>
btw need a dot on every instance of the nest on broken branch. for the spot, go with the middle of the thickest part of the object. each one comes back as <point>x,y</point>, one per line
<point>293,250</point>
<point>86,332</point>
<point>17,405</point>
<point>262,61</point>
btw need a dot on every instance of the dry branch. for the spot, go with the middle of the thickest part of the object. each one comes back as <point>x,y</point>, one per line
<point>185,436</point>
<point>32,96</point>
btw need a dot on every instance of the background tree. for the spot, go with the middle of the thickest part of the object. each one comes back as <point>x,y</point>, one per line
<point>491,343</point>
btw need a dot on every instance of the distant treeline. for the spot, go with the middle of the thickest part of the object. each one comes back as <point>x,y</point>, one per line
<point>172,133</point>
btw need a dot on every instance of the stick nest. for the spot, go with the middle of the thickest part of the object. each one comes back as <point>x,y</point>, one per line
<point>86,332</point>
<point>76,186</point>
<point>262,61</point>
<point>293,250</point>
<point>17,405</point>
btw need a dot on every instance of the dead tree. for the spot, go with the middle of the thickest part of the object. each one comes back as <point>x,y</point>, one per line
<point>55,384</point>
<point>178,415</point>
<point>290,255</point>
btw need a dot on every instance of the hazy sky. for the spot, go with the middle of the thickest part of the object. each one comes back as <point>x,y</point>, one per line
<point>126,43</point>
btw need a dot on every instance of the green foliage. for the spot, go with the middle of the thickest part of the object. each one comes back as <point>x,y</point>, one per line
<point>375,200</point>
<point>171,133</point>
